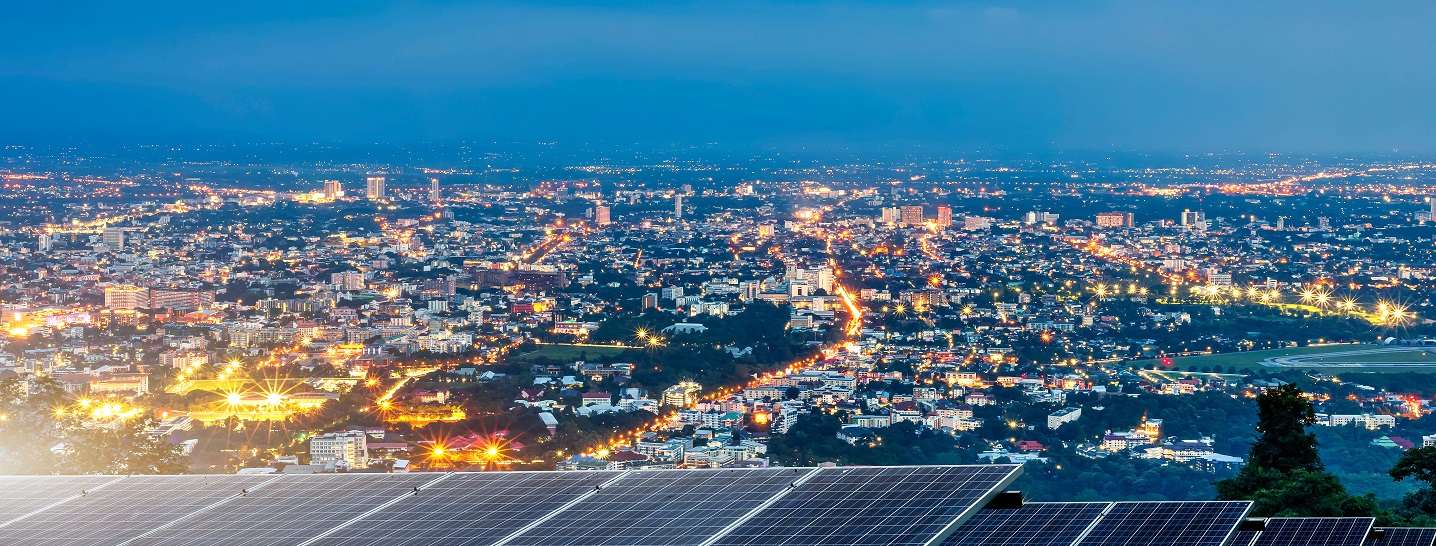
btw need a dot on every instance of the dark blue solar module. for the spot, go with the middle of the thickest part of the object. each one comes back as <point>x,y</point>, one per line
<point>1035,524</point>
<point>1406,536</point>
<point>1182,523</point>
<point>125,509</point>
<point>1314,532</point>
<point>470,508</point>
<point>669,508</point>
<point>872,506</point>
<point>291,510</point>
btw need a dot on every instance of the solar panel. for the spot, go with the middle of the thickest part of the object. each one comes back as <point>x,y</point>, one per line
<point>291,510</point>
<point>124,509</point>
<point>1405,536</point>
<point>1243,538</point>
<point>1035,524</point>
<point>1314,532</point>
<point>20,495</point>
<point>661,508</point>
<point>1180,523</point>
<point>469,508</point>
<point>872,506</point>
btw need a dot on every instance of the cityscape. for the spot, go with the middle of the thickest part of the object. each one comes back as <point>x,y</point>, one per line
<point>762,273</point>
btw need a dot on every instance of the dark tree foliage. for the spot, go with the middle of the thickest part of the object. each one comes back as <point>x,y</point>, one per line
<point>1284,475</point>
<point>1419,464</point>
<point>1283,415</point>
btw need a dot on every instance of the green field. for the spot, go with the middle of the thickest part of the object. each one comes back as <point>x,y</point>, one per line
<point>562,353</point>
<point>1364,358</point>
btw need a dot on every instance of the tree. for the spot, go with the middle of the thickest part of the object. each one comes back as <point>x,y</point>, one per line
<point>1284,475</point>
<point>1283,415</point>
<point>1418,464</point>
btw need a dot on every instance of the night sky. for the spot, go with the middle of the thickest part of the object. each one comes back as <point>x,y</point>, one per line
<point>1207,75</point>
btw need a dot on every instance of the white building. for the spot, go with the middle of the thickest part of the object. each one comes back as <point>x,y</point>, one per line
<point>1062,417</point>
<point>349,447</point>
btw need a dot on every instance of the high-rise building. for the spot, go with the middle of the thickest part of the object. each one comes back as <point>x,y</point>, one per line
<point>891,215</point>
<point>601,215</point>
<point>374,188</point>
<point>1193,218</point>
<point>1114,219</point>
<point>1281,223</point>
<point>332,189</point>
<point>45,242</point>
<point>113,237</point>
<point>1035,217</point>
<point>650,300</point>
<point>348,280</point>
<point>749,290</point>
<point>912,215</point>
<point>677,205</point>
<point>434,189</point>
<point>944,216</point>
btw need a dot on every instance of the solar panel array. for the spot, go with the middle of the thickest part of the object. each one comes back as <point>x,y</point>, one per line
<point>1314,532</point>
<point>1179,523</point>
<point>849,506</point>
<point>1405,536</point>
<point>1035,524</point>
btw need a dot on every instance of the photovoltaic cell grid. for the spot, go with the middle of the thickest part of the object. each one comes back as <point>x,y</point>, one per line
<point>124,509</point>
<point>291,510</point>
<point>1180,523</point>
<point>646,508</point>
<point>1243,538</point>
<point>872,506</point>
<point>1314,532</point>
<point>478,508</point>
<point>1035,524</point>
<point>20,495</point>
<point>1406,536</point>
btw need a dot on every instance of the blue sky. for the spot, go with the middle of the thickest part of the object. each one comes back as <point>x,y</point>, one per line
<point>1025,75</point>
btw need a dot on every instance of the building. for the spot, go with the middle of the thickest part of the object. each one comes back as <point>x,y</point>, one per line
<point>1114,219</point>
<point>650,300</point>
<point>127,297</point>
<point>681,395</point>
<point>114,238</point>
<point>944,216</point>
<point>333,190</point>
<point>434,194</point>
<point>912,215</point>
<point>347,280</point>
<point>601,215</point>
<point>181,300</point>
<point>677,205</point>
<point>890,215</point>
<point>1194,218</point>
<point>1062,417</point>
<point>350,448</point>
<point>45,242</point>
<point>1370,421</point>
<point>1035,217</point>
<point>374,188</point>
<point>974,223</point>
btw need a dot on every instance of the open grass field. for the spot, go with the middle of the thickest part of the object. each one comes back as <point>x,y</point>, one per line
<point>1325,358</point>
<point>572,352</point>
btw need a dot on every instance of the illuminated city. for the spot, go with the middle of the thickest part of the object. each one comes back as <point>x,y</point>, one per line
<point>523,255</point>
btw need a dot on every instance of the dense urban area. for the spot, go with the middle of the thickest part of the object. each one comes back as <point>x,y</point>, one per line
<point>1111,321</point>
